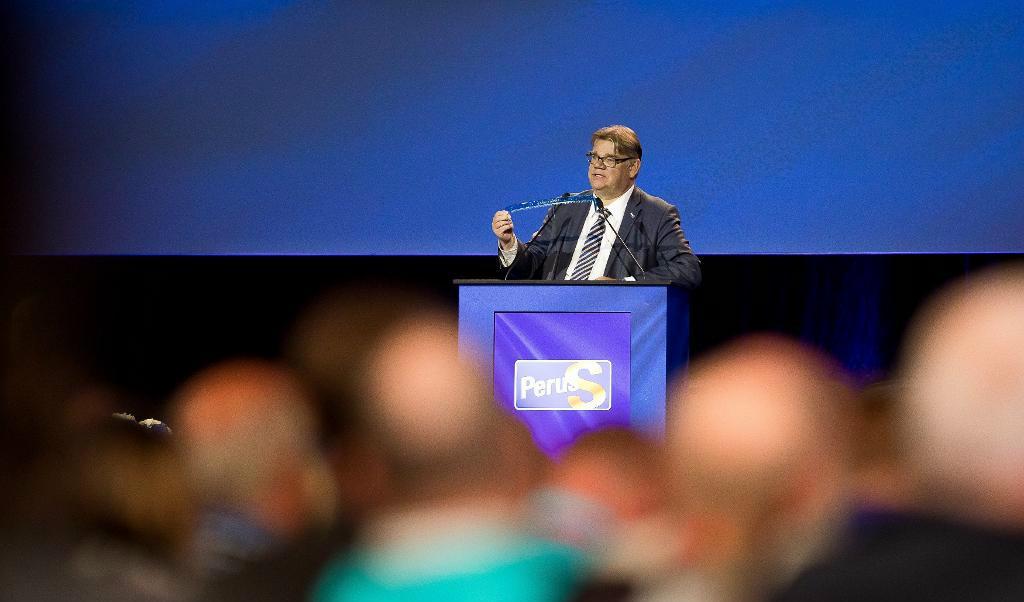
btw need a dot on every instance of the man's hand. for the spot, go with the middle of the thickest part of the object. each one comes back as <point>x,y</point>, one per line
<point>605,278</point>
<point>501,225</point>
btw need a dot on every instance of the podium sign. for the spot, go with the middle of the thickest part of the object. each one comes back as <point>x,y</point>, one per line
<point>568,358</point>
<point>562,374</point>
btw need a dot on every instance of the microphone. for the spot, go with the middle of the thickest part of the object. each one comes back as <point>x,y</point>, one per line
<point>604,213</point>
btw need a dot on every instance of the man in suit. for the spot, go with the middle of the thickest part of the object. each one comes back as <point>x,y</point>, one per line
<point>575,242</point>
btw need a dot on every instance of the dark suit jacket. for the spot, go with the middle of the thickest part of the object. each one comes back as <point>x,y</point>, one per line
<point>909,558</point>
<point>650,227</point>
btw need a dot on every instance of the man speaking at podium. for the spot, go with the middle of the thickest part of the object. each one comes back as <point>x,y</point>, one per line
<point>578,241</point>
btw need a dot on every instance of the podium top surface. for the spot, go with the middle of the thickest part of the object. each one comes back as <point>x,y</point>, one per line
<point>493,281</point>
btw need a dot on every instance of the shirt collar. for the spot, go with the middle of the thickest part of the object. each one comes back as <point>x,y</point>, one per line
<point>617,206</point>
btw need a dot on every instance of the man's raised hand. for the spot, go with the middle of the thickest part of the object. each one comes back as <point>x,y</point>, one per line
<point>502,227</point>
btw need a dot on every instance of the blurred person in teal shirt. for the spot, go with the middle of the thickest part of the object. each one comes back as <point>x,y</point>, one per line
<point>458,472</point>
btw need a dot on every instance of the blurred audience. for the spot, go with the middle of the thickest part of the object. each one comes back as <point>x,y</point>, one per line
<point>136,514</point>
<point>125,533</point>
<point>329,346</point>
<point>249,436</point>
<point>377,467</point>
<point>963,431</point>
<point>881,480</point>
<point>449,527</point>
<point>607,496</point>
<point>49,406</point>
<point>758,442</point>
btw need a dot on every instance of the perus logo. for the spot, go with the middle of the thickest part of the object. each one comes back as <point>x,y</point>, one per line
<point>563,385</point>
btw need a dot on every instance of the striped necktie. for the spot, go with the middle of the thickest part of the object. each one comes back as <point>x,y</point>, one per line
<point>589,253</point>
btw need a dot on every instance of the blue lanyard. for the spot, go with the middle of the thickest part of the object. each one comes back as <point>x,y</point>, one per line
<point>579,197</point>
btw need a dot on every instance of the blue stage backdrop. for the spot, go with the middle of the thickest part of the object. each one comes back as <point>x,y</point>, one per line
<point>396,128</point>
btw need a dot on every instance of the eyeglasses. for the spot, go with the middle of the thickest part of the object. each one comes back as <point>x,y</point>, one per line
<point>608,162</point>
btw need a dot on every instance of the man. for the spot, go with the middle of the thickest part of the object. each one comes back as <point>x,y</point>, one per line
<point>759,455</point>
<point>575,243</point>
<point>248,432</point>
<point>962,429</point>
<point>456,471</point>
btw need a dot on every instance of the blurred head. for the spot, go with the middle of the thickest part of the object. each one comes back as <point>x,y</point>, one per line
<point>758,443</point>
<point>133,487</point>
<point>339,344</point>
<point>620,469</point>
<point>49,403</point>
<point>331,338</point>
<point>879,464</point>
<point>249,436</point>
<point>607,495</point>
<point>964,370</point>
<point>432,417</point>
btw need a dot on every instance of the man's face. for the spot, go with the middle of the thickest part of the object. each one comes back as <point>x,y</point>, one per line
<point>611,182</point>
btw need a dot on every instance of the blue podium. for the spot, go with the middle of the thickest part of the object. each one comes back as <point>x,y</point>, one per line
<point>568,357</point>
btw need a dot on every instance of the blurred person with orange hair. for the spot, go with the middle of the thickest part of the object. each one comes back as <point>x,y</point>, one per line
<point>331,347</point>
<point>249,436</point>
<point>963,431</point>
<point>457,473</point>
<point>607,495</point>
<point>759,451</point>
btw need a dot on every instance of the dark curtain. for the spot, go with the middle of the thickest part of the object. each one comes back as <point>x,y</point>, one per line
<point>144,323</point>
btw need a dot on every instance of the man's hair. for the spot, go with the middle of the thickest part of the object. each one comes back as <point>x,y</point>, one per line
<point>624,139</point>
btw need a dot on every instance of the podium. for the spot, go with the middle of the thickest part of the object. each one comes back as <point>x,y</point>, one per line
<point>571,357</point>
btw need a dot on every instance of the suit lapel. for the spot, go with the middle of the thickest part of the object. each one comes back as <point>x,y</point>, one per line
<point>633,208</point>
<point>616,261</point>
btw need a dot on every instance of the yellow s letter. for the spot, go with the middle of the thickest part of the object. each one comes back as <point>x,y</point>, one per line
<point>572,376</point>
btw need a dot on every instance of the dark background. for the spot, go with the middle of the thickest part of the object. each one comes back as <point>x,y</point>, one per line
<point>143,324</point>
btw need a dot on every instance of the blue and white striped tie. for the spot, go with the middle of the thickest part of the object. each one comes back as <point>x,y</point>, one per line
<point>589,253</point>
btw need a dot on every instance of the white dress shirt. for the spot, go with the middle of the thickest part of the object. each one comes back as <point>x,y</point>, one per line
<point>617,207</point>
